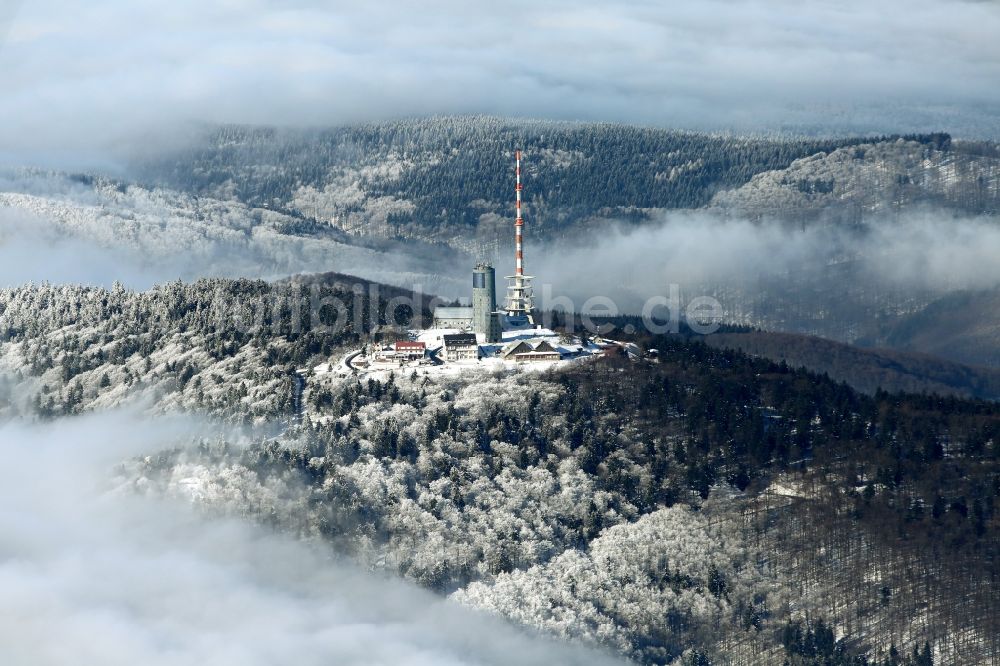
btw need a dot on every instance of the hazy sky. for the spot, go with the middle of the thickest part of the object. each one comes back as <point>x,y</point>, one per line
<point>80,75</point>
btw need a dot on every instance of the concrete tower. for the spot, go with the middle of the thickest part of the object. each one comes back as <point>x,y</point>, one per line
<point>485,318</point>
<point>519,302</point>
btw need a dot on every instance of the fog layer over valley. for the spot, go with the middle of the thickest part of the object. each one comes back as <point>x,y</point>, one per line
<point>95,571</point>
<point>846,282</point>
<point>927,251</point>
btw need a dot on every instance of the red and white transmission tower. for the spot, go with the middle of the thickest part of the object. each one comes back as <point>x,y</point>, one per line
<point>518,303</point>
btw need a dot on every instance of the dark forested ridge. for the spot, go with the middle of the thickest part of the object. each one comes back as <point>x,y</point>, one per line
<point>447,173</point>
<point>867,370</point>
<point>435,178</point>
<point>963,326</point>
<point>364,198</point>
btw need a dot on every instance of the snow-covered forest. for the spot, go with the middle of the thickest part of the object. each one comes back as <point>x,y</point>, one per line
<point>708,508</point>
<point>228,347</point>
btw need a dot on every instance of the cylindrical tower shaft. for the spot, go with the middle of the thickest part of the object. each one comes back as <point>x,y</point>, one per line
<point>519,222</point>
<point>484,302</point>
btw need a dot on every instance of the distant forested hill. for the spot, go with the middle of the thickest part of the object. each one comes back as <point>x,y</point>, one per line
<point>855,183</point>
<point>439,176</point>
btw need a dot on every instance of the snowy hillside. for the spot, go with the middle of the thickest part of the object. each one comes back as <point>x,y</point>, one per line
<point>396,483</point>
<point>228,348</point>
<point>592,505</point>
<point>150,235</point>
<point>859,182</point>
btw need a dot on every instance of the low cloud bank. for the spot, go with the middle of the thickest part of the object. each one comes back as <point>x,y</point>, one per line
<point>93,575</point>
<point>32,250</point>
<point>924,251</point>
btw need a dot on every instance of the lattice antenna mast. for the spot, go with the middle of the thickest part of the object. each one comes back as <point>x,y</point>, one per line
<point>519,222</point>
<point>519,297</point>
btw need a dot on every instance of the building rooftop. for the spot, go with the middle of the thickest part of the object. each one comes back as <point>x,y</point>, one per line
<point>460,339</point>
